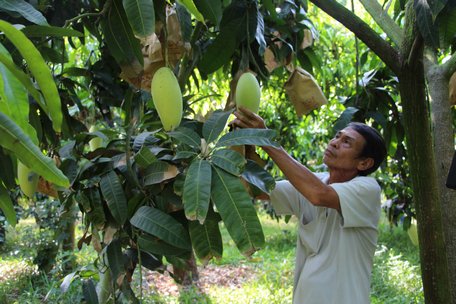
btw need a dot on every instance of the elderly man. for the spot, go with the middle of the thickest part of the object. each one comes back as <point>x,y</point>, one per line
<point>337,212</point>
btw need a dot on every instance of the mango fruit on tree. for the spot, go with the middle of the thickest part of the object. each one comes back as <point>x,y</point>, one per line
<point>167,98</point>
<point>28,180</point>
<point>248,93</point>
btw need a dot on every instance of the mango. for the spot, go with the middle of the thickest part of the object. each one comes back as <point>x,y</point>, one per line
<point>167,98</point>
<point>28,180</point>
<point>248,93</point>
<point>413,232</point>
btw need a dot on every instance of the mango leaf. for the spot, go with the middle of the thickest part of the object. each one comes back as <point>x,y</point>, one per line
<point>116,259</point>
<point>25,9</point>
<point>190,6</point>
<point>96,215</point>
<point>23,78</point>
<point>156,246</point>
<point>215,125</point>
<point>40,71</point>
<point>211,10</point>
<point>258,177</point>
<point>206,238</point>
<point>186,136</point>
<point>15,140</point>
<point>112,190</point>
<point>89,291</point>
<point>184,155</point>
<point>197,190</point>
<point>145,138</point>
<point>257,137</point>
<point>447,27</point>
<point>161,225</point>
<point>158,172</point>
<point>14,101</point>
<point>8,172</point>
<point>425,22</point>
<point>145,157</point>
<point>218,53</point>
<point>50,31</point>
<point>124,46</point>
<point>237,211</point>
<point>229,160</point>
<point>345,118</point>
<point>6,205</point>
<point>141,16</point>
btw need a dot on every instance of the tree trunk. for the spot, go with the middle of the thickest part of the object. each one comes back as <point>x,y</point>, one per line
<point>423,173</point>
<point>444,149</point>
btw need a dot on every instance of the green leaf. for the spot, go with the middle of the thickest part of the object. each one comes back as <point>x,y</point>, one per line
<point>50,31</point>
<point>257,137</point>
<point>218,53</point>
<point>345,118</point>
<point>14,101</point>
<point>229,160</point>
<point>161,225</point>
<point>215,125</point>
<point>40,71</point>
<point>6,205</point>
<point>116,259</point>
<point>23,78</point>
<point>190,6</point>
<point>237,211</point>
<point>184,155</point>
<point>145,157</point>
<point>96,215</point>
<point>258,177</point>
<point>197,190</point>
<point>206,238</point>
<point>25,9</point>
<point>89,292</point>
<point>112,190</point>
<point>210,9</point>
<point>425,22</point>
<point>186,136</point>
<point>15,140</point>
<point>124,46</point>
<point>447,26</point>
<point>156,246</point>
<point>158,172</point>
<point>141,16</point>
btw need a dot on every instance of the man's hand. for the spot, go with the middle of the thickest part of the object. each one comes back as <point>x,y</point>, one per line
<point>247,119</point>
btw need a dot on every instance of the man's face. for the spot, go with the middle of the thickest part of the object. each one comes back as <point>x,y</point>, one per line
<point>343,151</point>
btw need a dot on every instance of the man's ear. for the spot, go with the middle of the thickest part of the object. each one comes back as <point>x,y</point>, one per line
<point>365,164</point>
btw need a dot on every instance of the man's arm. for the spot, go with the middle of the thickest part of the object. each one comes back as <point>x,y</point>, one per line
<point>309,185</point>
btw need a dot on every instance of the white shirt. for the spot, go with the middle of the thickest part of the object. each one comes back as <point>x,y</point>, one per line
<point>334,253</point>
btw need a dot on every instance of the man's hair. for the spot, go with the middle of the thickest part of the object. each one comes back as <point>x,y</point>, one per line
<point>374,147</point>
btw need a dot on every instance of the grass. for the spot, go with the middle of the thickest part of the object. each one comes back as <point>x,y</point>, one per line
<point>395,279</point>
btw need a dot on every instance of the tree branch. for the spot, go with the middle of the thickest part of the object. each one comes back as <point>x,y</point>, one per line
<point>363,31</point>
<point>382,18</point>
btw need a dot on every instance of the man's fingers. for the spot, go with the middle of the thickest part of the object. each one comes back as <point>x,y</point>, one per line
<point>249,114</point>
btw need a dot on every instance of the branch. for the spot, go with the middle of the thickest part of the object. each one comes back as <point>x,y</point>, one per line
<point>363,31</point>
<point>382,18</point>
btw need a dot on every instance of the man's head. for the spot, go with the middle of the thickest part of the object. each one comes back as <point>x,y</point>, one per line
<point>358,149</point>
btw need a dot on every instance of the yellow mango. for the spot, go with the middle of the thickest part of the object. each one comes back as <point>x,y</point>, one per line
<point>28,180</point>
<point>248,93</point>
<point>167,98</point>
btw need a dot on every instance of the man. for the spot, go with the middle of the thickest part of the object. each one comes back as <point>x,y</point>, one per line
<point>337,213</point>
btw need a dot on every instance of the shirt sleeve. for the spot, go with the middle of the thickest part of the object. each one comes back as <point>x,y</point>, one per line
<point>286,200</point>
<point>360,202</point>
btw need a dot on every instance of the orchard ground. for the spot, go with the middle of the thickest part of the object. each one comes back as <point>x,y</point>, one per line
<point>267,277</point>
